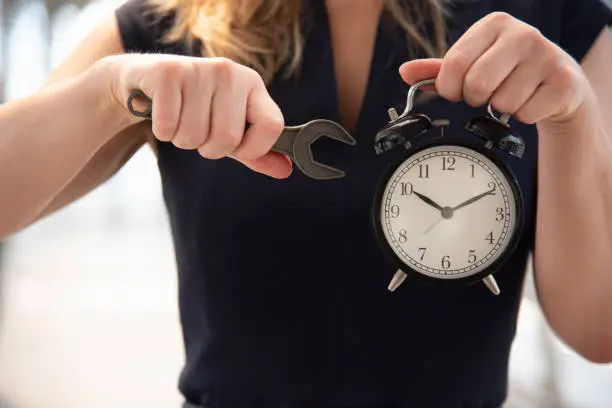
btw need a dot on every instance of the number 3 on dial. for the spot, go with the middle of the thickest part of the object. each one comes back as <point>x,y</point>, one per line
<point>449,212</point>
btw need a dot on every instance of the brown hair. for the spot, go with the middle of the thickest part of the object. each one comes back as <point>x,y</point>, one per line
<point>249,32</point>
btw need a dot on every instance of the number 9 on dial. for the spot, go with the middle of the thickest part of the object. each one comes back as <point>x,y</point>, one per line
<point>451,210</point>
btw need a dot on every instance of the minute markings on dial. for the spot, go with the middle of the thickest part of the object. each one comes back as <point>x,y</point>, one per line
<point>407,249</point>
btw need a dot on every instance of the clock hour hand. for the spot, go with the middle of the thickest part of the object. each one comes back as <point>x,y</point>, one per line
<point>474,199</point>
<point>428,201</point>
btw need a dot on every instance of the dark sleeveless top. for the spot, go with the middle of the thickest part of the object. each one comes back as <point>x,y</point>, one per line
<point>282,285</point>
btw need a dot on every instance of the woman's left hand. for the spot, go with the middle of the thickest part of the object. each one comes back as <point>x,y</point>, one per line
<point>510,64</point>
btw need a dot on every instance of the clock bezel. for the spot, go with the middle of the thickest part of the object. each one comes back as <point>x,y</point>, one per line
<point>514,190</point>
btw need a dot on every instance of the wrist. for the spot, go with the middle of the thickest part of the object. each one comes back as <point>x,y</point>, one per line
<point>578,144</point>
<point>581,114</point>
<point>101,80</point>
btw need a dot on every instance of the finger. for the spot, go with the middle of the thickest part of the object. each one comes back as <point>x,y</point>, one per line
<point>460,57</point>
<point>488,72</point>
<point>228,115</point>
<point>194,123</point>
<point>538,107</point>
<point>414,71</point>
<point>167,104</point>
<point>518,87</point>
<point>266,124</point>
<point>272,164</point>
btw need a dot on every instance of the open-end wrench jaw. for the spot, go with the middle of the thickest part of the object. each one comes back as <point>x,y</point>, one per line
<point>302,148</point>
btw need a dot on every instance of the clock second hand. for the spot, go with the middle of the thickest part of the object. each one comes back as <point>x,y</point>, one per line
<point>433,225</point>
<point>445,214</point>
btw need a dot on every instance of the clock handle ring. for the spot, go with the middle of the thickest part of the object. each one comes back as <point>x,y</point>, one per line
<point>412,92</point>
<point>503,118</point>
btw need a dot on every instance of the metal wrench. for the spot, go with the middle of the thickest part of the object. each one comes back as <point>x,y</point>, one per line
<point>294,141</point>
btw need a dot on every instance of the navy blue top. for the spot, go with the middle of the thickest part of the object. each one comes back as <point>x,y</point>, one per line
<point>283,295</point>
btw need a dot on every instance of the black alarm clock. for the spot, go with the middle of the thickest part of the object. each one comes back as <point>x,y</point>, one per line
<point>450,210</point>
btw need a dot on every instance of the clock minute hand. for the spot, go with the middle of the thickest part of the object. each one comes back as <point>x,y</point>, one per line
<point>428,200</point>
<point>474,199</point>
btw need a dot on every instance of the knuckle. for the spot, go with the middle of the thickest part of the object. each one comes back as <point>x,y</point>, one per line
<point>210,149</point>
<point>251,74</point>
<point>477,88</point>
<point>529,40</point>
<point>222,143</point>
<point>231,139</point>
<point>224,69</point>
<point>204,151</point>
<point>456,61</point>
<point>164,128</point>
<point>266,133</point>
<point>188,139</point>
<point>500,17</point>
<point>274,125</point>
<point>564,79</point>
<point>250,152</point>
<point>524,37</point>
<point>566,88</point>
<point>525,117</point>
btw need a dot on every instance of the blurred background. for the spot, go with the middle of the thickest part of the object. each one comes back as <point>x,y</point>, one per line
<point>89,315</point>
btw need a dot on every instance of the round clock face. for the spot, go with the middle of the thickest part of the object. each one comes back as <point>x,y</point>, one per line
<point>448,212</point>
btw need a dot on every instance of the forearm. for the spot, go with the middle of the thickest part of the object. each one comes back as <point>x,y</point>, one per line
<point>574,233</point>
<point>46,139</point>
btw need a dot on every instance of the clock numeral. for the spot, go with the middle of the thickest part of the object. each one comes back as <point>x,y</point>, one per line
<point>472,256</point>
<point>407,189</point>
<point>403,236</point>
<point>473,169</point>
<point>489,238</point>
<point>448,163</point>
<point>446,262</point>
<point>500,214</point>
<point>423,170</point>
<point>492,186</point>
<point>395,211</point>
<point>422,252</point>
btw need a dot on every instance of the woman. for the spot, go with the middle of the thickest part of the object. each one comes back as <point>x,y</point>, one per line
<point>281,279</point>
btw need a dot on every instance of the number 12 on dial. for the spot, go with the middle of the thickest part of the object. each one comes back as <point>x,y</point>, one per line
<point>448,212</point>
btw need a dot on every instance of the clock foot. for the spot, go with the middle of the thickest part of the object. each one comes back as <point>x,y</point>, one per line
<point>397,280</point>
<point>490,282</point>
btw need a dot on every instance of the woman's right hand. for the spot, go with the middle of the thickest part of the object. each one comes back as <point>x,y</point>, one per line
<point>204,104</point>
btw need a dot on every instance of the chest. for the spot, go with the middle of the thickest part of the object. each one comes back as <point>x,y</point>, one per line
<point>352,49</point>
<point>339,80</point>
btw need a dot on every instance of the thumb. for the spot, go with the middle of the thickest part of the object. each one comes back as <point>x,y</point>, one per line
<point>273,164</point>
<point>420,69</point>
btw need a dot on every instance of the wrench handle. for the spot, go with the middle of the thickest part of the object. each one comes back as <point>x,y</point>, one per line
<point>284,143</point>
<point>148,102</point>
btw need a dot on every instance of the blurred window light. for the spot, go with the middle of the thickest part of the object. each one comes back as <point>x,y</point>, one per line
<point>28,47</point>
<point>63,38</point>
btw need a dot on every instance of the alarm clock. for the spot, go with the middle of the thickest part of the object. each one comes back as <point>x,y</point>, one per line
<point>449,210</point>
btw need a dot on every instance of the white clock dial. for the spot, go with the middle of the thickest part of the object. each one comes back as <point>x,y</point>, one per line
<point>448,212</point>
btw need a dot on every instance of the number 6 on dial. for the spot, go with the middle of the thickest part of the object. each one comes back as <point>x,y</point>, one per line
<point>451,210</point>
